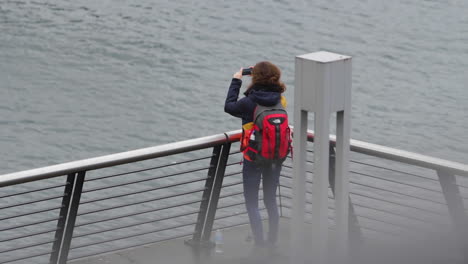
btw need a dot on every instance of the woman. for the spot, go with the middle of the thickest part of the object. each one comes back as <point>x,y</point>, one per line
<point>266,89</point>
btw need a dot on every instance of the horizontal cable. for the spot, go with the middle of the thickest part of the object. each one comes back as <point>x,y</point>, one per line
<point>146,232</point>
<point>145,180</point>
<point>307,201</point>
<point>133,235</point>
<point>394,170</point>
<point>147,169</point>
<point>28,246</point>
<point>389,169</point>
<point>307,212</point>
<point>230,205</point>
<point>416,186</point>
<point>230,194</point>
<point>138,213</point>
<point>307,192</point>
<point>392,224</point>
<point>398,182</point>
<point>290,167</point>
<point>369,186</point>
<point>36,201</point>
<point>232,174</point>
<point>232,163</point>
<point>382,200</point>
<point>232,184</point>
<point>289,187</point>
<point>27,257</point>
<point>29,235</point>
<point>152,220</point>
<point>378,188</point>
<point>31,191</point>
<point>143,191</point>
<point>236,214</point>
<point>394,213</point>
<point>30,224</point>
<point>407,173</point>
<point>403,172</point>
<point>235,152</point>
<point>143,201</point>
<point>30,213</point>
<point>290,177</point>
<point>396,203</point>
<point>388,180</point>
<point>136,224</point>
<point>232,225</point>
<point>379,199</point>
<point>397,192</point>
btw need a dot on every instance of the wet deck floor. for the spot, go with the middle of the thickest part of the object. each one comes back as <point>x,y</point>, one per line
<point>236,249</point>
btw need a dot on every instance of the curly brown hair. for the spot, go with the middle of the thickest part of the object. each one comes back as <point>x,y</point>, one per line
<point>267,74</point>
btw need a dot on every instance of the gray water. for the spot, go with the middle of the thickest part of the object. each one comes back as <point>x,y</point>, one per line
<point>80,79</point>
<point>86,78</point>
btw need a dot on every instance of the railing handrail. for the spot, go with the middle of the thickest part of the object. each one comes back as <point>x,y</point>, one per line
<point>210,141</point>
<point>404,156</point>
<point>408,157</point>
<point>112,159</point>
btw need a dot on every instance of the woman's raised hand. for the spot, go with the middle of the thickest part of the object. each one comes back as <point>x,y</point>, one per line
<point>238,75</point>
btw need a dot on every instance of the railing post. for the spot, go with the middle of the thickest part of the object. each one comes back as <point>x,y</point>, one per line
<point>62,219</point>
<point>206,195</point>
<point>217,185</point>
<point>66,223</point>
<point>456,209</point>
<point>354,231</point>
<point>210,198</point>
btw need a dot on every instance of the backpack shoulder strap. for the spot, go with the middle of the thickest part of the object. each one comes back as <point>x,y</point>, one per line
<point>254,117</point>
<point>259,109</point>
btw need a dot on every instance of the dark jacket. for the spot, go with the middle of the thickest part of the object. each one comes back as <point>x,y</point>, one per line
<point>244,108</point>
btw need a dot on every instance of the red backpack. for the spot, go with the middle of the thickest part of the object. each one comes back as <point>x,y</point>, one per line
<point>270,138</point>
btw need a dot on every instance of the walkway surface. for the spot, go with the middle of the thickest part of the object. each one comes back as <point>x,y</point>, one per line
<point>236,249</point>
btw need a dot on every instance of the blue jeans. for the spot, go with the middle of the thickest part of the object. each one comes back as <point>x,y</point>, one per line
<point>252,174</point>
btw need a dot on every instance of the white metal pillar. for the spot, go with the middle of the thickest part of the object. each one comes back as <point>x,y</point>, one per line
<point>322,86</point>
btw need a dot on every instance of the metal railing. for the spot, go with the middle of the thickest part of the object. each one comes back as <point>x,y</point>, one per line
<point>100,205</point>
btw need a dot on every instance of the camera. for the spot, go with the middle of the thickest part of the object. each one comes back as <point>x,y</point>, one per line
<point>247,71</point>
